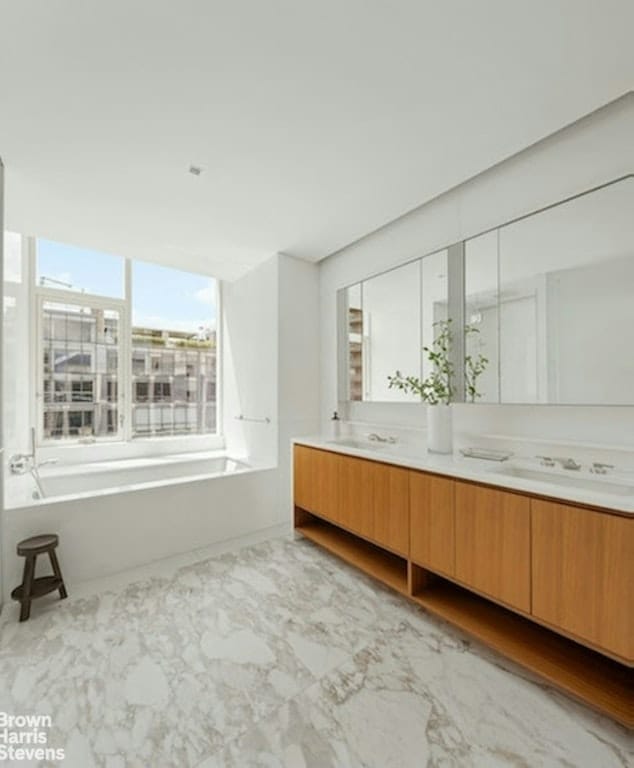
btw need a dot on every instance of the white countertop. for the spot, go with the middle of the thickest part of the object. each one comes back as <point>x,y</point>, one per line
<point>491,473</point>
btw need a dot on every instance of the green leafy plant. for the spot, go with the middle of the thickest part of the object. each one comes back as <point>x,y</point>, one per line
<point>474,366</point>
<point>438,387</point>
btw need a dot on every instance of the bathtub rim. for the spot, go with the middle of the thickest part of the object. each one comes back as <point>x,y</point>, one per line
<point>246,466</point>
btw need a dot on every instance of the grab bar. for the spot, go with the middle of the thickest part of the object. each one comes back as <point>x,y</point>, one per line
<point>241,417</point>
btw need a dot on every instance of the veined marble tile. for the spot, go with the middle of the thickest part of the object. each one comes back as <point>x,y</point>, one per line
<point>280,655</point>
<point>414,699</point>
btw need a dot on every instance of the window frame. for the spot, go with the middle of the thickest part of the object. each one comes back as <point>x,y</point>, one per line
<point>123,442</point>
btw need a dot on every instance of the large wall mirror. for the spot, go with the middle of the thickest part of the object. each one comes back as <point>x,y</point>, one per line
<point>547,301</point>
<point>389,318</point>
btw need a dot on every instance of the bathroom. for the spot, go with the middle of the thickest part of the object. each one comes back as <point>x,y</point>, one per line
<point>329,423</point>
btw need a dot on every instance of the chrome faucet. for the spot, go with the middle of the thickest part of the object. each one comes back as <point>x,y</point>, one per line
<point>568,463</point>
<point>378,439</point>
<point>598,468</point>
<point>21,463</point>
<point>549,461</point>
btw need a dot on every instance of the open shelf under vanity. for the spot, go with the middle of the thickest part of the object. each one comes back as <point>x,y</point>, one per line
<point>388,568</point>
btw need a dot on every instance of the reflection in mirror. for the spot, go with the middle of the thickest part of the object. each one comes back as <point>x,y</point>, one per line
<point>355,342</point>
<point>388,320</point>
<point>391,330</point>
<point>481,315</point>
<point>434,304</point>
<point>570,271</point>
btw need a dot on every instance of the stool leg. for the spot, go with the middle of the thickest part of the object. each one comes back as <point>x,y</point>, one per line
<point>27,586</point>
<point>58,573</point>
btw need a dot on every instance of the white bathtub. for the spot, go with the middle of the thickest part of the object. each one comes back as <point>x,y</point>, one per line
<point>114,515</point>
<point>60,482</point>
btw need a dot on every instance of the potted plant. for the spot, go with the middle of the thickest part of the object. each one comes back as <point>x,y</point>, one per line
<point>437,390</point>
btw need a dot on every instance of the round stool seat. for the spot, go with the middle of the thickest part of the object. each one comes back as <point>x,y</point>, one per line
<point>36,545</point>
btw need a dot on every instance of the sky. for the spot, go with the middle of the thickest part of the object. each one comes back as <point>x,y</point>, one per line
<point>162,297</point>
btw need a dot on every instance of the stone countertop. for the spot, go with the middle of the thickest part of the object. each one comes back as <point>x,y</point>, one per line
<point>493,473</point>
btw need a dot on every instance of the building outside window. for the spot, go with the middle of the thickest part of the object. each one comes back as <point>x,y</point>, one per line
<point>85,390</point>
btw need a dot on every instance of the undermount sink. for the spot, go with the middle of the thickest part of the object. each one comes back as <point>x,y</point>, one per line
<point>573,480</point>
<point>364,445</point>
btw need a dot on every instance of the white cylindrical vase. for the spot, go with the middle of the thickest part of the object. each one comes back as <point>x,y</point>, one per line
<point>439,429</point>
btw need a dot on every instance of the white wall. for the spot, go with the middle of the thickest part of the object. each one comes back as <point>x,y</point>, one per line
<point>2,443</point>
<point>298,371</point>
<point>250,349</point>
<point>594,150</point>
<point>17,389</point>
<point>271,362</point>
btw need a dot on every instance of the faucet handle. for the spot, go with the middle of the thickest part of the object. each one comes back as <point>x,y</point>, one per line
<point>546,461</point>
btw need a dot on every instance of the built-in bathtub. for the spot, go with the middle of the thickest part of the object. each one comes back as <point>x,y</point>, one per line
<point>115,515</point>
<point>57,482</point>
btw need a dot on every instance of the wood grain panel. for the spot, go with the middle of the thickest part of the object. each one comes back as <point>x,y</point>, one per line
<point>325,480</point>
<point>583,574</point>
<point>303,487</point>
<point>493,543</point>
<point>390,507</point>
<point>432,522</point>
<point>315,477</point>
<point>355,495</point>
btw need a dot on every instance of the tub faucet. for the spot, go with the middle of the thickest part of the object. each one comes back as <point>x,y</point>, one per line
<point>21,463</point>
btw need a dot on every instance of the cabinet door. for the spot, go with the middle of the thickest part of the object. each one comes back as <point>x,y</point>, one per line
<point>493,543</point>
<point>315,476</point>
<point>432,522</point>
<point>355,495</point>
<point>373,502</point>
<point>583,574</point>
<point>390,508</point>
<point>303,487</point>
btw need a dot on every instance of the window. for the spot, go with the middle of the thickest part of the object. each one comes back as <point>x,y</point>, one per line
<point>79,359</point>
<point>174,351</point>
<point>90,322</point>
<point>79,269</point>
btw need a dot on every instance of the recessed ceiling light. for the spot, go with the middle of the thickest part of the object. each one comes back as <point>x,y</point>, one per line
<point>196,170</point>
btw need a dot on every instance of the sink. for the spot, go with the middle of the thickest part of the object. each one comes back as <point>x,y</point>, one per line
<point>363,445</point>
<point>572,480</point>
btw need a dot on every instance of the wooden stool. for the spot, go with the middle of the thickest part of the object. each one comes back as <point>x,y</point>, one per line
<point>32,587</point>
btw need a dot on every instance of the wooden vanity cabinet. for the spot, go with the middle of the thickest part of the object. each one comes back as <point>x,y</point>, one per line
<point>439,540</point>
<point>493,543</point>
<point>432,522</point>
<point>582,572</point>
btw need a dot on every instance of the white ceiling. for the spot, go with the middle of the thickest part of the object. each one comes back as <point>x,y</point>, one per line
<point>316,122</point>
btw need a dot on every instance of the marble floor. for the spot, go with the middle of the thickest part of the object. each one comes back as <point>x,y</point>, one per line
<point>279,655</point>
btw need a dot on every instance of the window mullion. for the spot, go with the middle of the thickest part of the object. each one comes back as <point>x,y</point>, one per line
<point>126,377</point>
